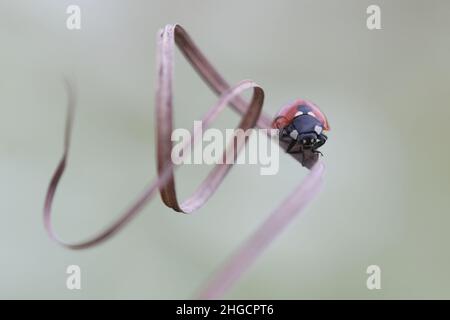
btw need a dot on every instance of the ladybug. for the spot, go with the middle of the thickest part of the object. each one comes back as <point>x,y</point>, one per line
<point>302,124</point>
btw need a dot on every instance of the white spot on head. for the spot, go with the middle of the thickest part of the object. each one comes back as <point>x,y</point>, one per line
<point>311,114</point>
<point>299,113</point>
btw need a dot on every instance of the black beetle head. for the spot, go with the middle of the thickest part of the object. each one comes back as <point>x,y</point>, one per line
<point>309,130</point>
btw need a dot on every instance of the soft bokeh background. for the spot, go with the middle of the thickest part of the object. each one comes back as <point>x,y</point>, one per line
<point>386,196</point>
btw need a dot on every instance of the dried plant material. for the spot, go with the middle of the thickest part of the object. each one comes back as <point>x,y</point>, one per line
<point>219,85</point>
<point>249,119</point>
<point>251,116</point>
<point>165,127</point>
<point>240,261</point>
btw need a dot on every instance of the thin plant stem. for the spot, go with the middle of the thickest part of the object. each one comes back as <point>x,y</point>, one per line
<point>251,116</point>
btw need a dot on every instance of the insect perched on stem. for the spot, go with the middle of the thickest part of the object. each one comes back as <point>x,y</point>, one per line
<point>302,124</point>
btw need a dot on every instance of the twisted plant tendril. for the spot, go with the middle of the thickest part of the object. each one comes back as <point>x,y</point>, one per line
<point>248,119</point>
<point>263,236</point>
<point>251,116</point>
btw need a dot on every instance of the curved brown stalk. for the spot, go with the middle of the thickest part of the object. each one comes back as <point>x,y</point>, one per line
<point>219,85</point>
<point>274,224</point>
<point>248,119</point>
<point>251,116</point>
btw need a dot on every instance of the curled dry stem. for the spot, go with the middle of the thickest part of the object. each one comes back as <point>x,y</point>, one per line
<point>165,183</point>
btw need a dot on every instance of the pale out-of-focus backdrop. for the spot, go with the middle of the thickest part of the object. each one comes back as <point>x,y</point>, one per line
<point>386,195</point>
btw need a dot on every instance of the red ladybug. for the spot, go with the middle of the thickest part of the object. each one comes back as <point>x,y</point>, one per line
<point>302,124</point>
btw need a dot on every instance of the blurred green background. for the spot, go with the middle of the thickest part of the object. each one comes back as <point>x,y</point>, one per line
<point>386,195</point>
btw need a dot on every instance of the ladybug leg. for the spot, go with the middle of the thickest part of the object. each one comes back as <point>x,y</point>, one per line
<point>322,139</point>
<point>290,146</point>
<point>319,144</point>
<point>286,138</point>
<point>284,132</point>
